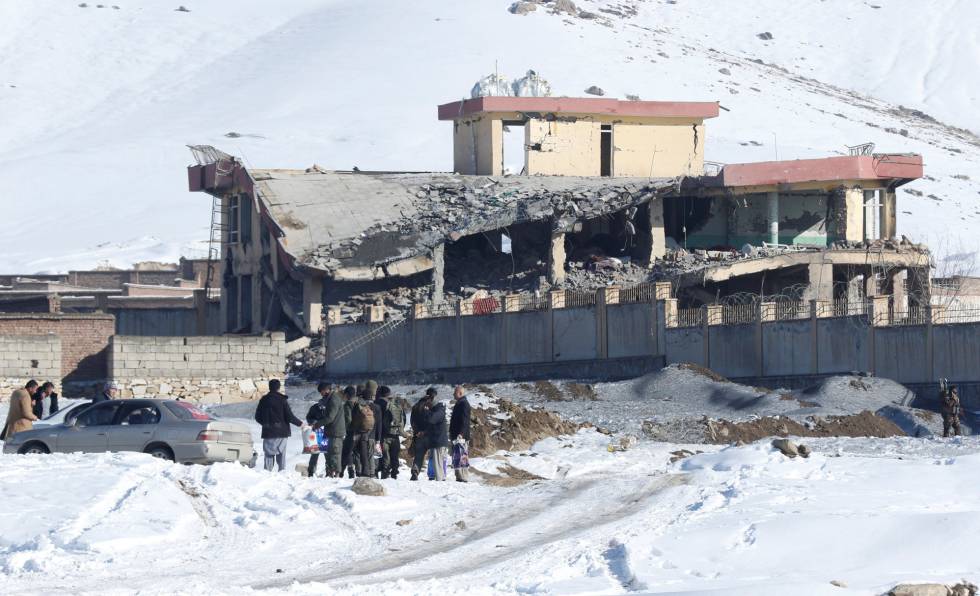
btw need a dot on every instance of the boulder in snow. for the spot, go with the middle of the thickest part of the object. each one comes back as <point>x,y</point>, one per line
<point>920,590</point>
<point>369,487</point>
<point>522,8</point>
<point>786,447</point>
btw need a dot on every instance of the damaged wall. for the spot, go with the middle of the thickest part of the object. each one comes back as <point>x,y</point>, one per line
<point>802,220</point>
<point>666,147</point>
<point>563,148</point>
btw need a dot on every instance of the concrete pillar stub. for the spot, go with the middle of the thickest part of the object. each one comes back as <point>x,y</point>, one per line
<point>715,314</point>
<point>767,311</point>
<point>374,313</point>
<point>512,302</point>
<point>772,203</point>
<point>334,316</point>
<point>870,285</point>
<point>824,308</point>
<point>312,304</point>
<point>556,258</point>
<point>939,314</point>
<point>880,312</point>
<point>821,278</point>
<point>855,293</point>
<point>418,311</point>
<point>662,290</point>
<point>610,294</point>
<point>899,296</point>
<point>670,312</point>
<point>556,299</point>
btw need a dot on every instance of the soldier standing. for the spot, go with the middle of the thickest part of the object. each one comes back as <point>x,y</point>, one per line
<point>951,411</point>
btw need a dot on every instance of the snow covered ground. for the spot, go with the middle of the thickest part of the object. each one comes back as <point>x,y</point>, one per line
<point>732,520</point>
<point>98,103</point>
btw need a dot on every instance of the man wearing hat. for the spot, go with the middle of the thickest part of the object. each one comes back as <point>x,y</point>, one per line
<point>110,391</point>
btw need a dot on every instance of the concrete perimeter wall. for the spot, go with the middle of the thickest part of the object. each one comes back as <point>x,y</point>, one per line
<point>26,357</point>
<point>206,369</point>
<point>809,348</point>
<point>575,334</point>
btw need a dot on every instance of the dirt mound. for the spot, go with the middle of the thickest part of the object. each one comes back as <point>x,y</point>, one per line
<point>865,424</point>
<point>504,425</point>
<point>566,391</point>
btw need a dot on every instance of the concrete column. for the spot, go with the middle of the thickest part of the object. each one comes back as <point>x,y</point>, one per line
<point>899,296</point>
<point>200,311</point>
<point>658,238</point>
<point>312,304</point>
<point>556,258</point>
<point>880,315</point>
<point>886,216</point>
<point>670,312</point>
<point>855,293</point>
<point>870,212</point>
<point>853,215</point>
<point>870,285</point>
<point>821,277</point>
<point>601,326</point>
<point>772,202</point>
<point>438,273</point>
<point>661,290</point>
<point>715,314</point>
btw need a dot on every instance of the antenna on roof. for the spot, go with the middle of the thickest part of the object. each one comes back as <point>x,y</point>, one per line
<point>775,145</point>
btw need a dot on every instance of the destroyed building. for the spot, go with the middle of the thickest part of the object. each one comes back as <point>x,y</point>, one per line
<point>553,193</point>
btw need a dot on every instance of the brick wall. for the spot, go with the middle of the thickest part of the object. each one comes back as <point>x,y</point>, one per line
<point>84,342</point>
<point>25,357</point>
<point>208,369</point>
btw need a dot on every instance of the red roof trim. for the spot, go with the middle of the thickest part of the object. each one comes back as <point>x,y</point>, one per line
<point>856,167</point>
<point>580,105</point>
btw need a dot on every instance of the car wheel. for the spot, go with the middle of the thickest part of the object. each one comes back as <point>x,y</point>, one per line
<point>161,452</point>
<point>34,449</point>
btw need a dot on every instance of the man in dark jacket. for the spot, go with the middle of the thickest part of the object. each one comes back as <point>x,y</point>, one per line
<point>392,428</point>
<point>37,400</point>
<point>275,416</point>
<point>328,413</point>
<point>459,433</point>
<point>436,438</point>
<point>419,420</point>
<point>351,463</point>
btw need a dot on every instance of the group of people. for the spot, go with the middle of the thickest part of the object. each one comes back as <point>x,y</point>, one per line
<point>363,427</point>
<point>27,407</point>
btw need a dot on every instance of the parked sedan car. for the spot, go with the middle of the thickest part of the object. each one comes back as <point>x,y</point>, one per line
<point>168,429</point>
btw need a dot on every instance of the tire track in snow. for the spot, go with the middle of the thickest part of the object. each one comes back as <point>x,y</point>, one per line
<point>548,521</point>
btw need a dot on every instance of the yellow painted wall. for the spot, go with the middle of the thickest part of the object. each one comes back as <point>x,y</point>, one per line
<point>559,148</point>
<point>478,146</point>
<point>854,214</point>
<point>658,149</point>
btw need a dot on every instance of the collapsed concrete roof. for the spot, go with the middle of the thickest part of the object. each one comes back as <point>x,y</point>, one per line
<point>357,225</point>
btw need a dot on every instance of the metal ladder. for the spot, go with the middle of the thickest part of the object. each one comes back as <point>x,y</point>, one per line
<point>214,243</point>
<point>363,340</point>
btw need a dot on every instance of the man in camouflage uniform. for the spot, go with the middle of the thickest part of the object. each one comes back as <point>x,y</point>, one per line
<point>950,401</point>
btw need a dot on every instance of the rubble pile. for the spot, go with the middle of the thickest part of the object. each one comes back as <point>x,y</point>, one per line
<point>451,206</point>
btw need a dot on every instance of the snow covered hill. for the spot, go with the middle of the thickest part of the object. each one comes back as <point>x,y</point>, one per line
<point>96,104</point>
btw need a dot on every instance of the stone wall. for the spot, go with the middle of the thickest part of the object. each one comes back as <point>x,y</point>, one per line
<point>207,369</point>
<point>26,357</point>
<point>84,343</point>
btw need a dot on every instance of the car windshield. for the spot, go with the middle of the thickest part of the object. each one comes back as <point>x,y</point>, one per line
<point>186,411</point>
